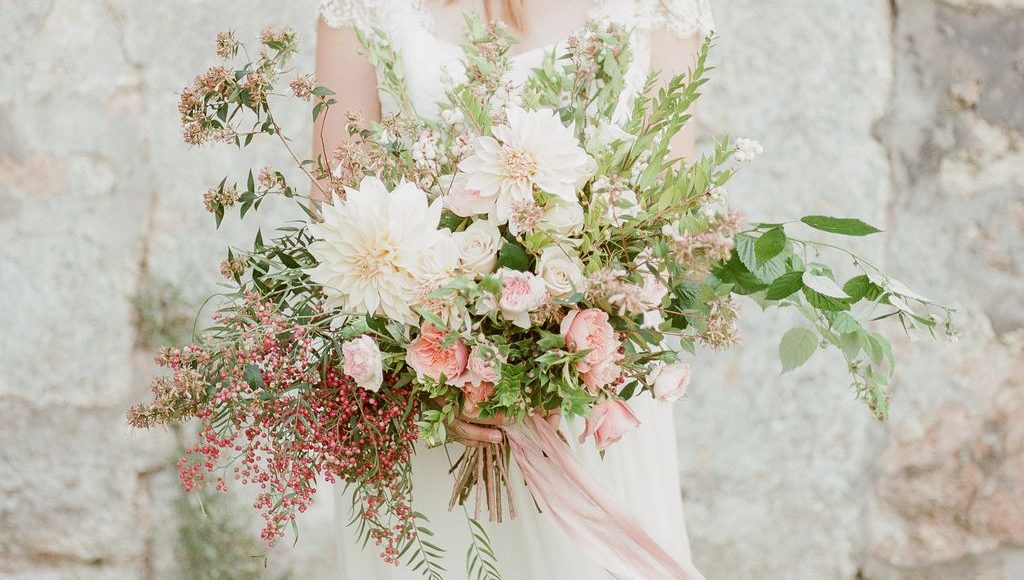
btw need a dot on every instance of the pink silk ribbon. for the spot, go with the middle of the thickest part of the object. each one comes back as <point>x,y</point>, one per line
<point>574,499</point>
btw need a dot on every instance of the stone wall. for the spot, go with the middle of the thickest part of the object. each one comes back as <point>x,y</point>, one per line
<point>909,114</point>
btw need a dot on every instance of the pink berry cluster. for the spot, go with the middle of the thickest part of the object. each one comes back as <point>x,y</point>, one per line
<point>281,420</point>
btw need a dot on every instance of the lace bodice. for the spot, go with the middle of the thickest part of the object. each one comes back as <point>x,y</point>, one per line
<point>682,17</point>
<point>428,60</point>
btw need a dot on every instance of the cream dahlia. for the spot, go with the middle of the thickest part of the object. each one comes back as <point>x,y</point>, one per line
<point>372,246</point>
<point>533,150</point>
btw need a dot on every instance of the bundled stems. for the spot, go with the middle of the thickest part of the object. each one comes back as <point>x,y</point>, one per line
<point>485,468</point>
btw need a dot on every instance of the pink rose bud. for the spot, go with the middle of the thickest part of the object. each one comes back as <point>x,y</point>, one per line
<point>609,420</point>
<point>363,362</point>
<point>426,356</point>
<point>670,381</point>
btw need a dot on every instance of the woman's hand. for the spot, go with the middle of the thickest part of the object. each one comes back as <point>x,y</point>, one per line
<point>472,430</point>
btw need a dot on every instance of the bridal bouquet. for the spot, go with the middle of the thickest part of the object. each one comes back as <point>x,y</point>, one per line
<point>533,249</point>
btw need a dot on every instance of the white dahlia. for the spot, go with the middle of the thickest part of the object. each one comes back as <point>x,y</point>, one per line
<point>371,249</point>
<point>533,150</point>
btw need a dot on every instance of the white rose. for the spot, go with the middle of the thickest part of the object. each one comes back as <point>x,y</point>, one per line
<point>478,247</point>
<point>670,381</point>
<point>564,218</point>
<point>521,292</point>
<point>363,362</point>
<point>561,271</point>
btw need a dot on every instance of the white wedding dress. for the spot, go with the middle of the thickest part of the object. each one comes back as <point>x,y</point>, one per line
<point>643,468</point>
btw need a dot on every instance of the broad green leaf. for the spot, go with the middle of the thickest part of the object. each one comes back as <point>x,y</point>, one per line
<point>842,322</point>
<point>843,226</point>
<point>766,272</point>
<point>785,285</point>
<point>823,285</point>
<point>796,347</point>
<point>769,244</point>
<point>824,303</point>
<point>514,257</point>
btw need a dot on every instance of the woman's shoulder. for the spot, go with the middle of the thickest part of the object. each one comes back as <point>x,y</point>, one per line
<point>683,18</point>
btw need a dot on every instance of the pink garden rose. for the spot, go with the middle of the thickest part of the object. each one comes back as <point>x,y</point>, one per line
<point>482,368</point>
<point>426,356</point>
<point>609,420</point>
<point>602,374</point>
<point>521,293</point>
<point>589,330</point>
<point>670,381</point>
<point>363,362</point>
<point>478,393</point>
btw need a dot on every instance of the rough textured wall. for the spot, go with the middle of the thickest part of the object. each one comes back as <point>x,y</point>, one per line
<point>908,114</point>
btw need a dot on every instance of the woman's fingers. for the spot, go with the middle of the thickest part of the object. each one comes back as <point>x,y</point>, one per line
<point>470,432</point>
<point>471,414</point>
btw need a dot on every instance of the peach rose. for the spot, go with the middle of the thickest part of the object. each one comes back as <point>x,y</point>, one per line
<point>589,330</point>
<point>609,420</point>
<point>670,381</point>
<point>479,393</point>
<point>426,356</point>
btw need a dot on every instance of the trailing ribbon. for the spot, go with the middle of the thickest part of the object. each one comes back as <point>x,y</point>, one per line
<point>572,497</point>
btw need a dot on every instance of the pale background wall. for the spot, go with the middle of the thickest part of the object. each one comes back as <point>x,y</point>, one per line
<point>906,113</point>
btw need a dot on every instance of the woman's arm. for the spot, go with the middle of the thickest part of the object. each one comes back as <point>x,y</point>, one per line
<point>342,68</point>
<point>672,56</point>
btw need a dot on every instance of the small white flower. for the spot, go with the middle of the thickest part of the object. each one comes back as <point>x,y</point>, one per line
<point>363,362</point>
<point>561,271</point>
<point>424,150</point>
<point>534,150</point>
<point>747,149</point>
<point>478,247</point>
